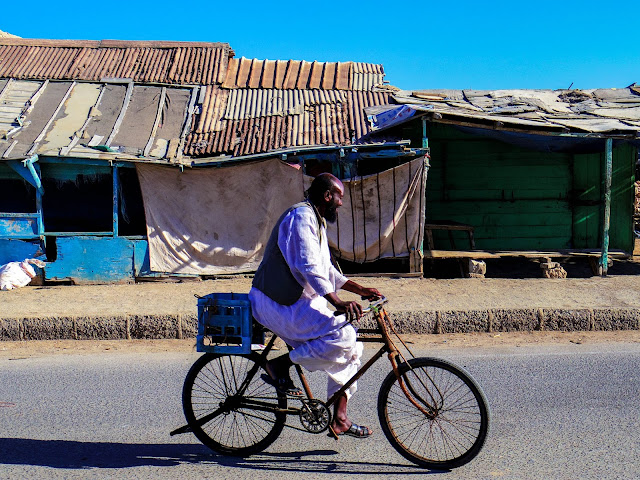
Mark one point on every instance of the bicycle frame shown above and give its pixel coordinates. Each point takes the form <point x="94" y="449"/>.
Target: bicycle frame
<point x="431" y="411"/>
<point x="388" y="347"/>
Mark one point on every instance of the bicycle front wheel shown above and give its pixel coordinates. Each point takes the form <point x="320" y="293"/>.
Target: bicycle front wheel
<point x="228" y="407"/>
<point x="445" y="423"/>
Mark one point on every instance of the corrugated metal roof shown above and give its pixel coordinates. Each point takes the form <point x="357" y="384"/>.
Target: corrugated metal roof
<point x="357" y="102"/>
<point x="71" y="118"/>
<point x="259" y="120"/>
<point x="262" y="105"/>
<point x="177" y="63"/>
<point x="601" y="111"/>
<point x="301" y="75"/>
<point x="251" y="126"/>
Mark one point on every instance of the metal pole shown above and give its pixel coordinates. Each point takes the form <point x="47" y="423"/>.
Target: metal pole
<point x="115" y="200"/>
<point x="608" y="173"/>
<point x="425" y="139"/>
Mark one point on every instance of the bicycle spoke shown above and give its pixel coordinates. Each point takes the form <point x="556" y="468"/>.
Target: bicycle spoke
<point x="455" y="425"/>
<point x="221" y="384"/>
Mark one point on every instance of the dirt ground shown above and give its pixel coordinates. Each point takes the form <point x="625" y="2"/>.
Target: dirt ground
<point x="405" y="294"/>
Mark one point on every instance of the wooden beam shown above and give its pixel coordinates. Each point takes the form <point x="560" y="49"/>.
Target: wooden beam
<point x="606" y="218"/>
<point x="123" y="111"/>
<point x="40" y="137"/>
<point x="64" y="151"/>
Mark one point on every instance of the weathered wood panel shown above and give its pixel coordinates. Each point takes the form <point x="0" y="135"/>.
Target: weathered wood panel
<point x="88" y="259"/>
<point x="19" y="225"/>
<point x="514" y="198"/>
<point x="18" y="250"/>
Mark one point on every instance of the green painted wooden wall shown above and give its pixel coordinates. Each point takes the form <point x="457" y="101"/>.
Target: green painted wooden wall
<point x="520" y="199"/>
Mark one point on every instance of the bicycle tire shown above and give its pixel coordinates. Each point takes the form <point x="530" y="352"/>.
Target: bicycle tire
<point x="212" y="384"/>
<point x="460" y="420"/>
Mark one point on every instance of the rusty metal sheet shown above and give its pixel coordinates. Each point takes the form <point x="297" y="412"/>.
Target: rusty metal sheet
<point x="597" y="111"/>
<point x="162" y="62"/>
<point x="357" y="102"/>
<point x="302" y="75"/>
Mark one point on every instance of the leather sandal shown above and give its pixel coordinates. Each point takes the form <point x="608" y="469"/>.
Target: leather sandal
<point x="354" y="430"/>
<point x="282" y="385"/>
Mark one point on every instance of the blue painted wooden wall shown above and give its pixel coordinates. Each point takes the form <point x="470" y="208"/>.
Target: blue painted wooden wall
<point x="89" y="259"/>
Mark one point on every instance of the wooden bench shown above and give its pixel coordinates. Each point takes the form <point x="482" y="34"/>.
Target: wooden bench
<point x="449" y="227"/>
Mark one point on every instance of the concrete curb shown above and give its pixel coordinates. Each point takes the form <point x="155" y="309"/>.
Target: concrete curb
<point x="176" y="326"/>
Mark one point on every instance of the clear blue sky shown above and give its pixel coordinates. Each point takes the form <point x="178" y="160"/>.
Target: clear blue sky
<point x="422" y="44"/>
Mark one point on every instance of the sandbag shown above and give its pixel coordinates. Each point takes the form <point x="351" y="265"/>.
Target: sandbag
<point x="18" y="274"/>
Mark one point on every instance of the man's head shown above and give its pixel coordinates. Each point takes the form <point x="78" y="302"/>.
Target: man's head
<point x="326" y="194"/>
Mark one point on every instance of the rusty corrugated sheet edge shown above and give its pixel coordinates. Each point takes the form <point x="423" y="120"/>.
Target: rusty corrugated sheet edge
<point x="159" y="62"/>
<point x="45" y="42"/>
<point x="302" y="75"/>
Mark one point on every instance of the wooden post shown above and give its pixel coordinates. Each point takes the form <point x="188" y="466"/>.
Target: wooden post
<point x="606" y="220"/>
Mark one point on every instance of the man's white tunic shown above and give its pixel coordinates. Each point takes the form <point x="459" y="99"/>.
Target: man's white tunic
<point x="308" y="325"/>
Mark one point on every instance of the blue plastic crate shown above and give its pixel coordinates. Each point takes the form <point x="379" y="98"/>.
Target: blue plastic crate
<point x="224" y="323"/>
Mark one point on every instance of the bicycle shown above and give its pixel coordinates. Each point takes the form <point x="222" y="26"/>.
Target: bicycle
<point x="431" y="411"/>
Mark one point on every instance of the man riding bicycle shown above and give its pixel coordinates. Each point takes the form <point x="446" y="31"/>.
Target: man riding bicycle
<point x="291" y="292"/>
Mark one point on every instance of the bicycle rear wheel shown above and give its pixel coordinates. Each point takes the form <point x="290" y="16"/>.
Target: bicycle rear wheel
<point x="452" y="426"/>
<point x="232" y="426"/>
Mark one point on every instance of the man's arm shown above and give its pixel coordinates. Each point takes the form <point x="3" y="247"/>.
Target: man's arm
<point x="364" y="292"/>
<point x="352" y="308"/>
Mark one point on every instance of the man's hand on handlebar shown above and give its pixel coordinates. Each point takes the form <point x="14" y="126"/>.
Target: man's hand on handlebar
<point x="370" y="294"/>
<point x="352" y="309"/>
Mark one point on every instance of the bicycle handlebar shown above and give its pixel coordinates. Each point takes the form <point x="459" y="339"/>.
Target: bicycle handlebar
<point x="380" y="301"/>
<point x="376" y="303"/>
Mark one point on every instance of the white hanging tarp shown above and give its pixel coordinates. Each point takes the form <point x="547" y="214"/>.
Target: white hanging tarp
<point x="210" y="221"/>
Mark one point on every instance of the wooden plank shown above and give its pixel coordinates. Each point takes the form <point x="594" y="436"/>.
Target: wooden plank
<point x="17" y="225"/>
<point x="484" y="254"/>
<point x="123" y="111"/>
<point x="187" y="124"/>
<point x="416" y="264"/>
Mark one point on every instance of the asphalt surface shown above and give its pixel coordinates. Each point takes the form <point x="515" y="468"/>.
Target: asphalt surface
<point x="562" y="411"/>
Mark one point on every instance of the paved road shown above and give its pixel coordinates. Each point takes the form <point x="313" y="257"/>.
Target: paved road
<point x="559" y="412"/>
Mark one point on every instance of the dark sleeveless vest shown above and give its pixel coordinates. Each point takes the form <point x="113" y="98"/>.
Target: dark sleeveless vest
<point x="274" y="277"/>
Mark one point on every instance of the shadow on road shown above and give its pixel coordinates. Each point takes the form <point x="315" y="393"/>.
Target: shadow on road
<point x="67" y="454"/>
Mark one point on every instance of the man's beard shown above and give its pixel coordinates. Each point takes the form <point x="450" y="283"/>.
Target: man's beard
<point x="331" y="214"/>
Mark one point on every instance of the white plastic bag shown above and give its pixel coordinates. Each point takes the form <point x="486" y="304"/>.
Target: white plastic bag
<point x="18" y="274"/>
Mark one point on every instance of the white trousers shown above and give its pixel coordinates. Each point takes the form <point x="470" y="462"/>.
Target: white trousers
<point x="320" y="340"/>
